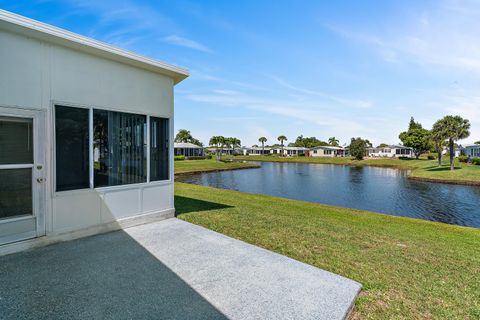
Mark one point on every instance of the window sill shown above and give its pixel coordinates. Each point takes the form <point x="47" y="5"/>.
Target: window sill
<point x="133" y="186"/>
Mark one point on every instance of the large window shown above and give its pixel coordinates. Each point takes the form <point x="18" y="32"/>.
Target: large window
<point x="159" y="133"/>
<point x="115" y="154"/>
<point x="119" y="148"/>
<point x="72" y="148"/>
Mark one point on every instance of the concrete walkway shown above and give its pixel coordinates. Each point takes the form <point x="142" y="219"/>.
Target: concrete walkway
<point x="167" y="270"/>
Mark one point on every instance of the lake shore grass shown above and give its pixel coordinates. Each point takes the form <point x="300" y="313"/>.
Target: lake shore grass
<point x="209" y="165"/>
<point x="422" y="169"/>
<point x="409" y="268"/>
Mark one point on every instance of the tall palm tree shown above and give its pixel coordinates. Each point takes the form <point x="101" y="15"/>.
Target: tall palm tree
<point x="214" y="142"/>
<point x="453" y="128"/>
<point x="262" y="140"/>
<point x="282" y="139"/>
<point x="438" y="138"/>
<point x="333" y="141"/>
<point x="233" y="143"/>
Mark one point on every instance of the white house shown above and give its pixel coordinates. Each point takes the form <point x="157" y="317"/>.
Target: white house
<point x="392" y="151"/>
<point x="188" y="149"/>
<point x="290" y="151"/>
<point x="327" y="151"/>
<point x="256" y="151"/>
<point x="85" y="135"/>
<point x="471" y="150"/>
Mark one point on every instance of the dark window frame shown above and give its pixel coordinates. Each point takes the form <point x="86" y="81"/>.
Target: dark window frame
<point x="148" y="164"/>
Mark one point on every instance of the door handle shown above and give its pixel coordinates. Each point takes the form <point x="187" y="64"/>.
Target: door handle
<point x="40" y="180"/>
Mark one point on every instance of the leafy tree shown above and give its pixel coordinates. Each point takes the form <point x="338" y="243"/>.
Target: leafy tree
<point x="219" y="143"/>
<point x="262" y="140"/>
<point x="233" y="143"/>
<point x="333" y="141"/>
<point x="308" y="142"/>
<point x="414" y="125"/>
<point x="183" y="136"/>
<point x="416" y="138"/>
<point x="358" y="148"/>
<point x="382" y="145"/>
<point x="453" y="128"/>
<point x="282" y="139"/>
<point x="438" y="138"/>
<point x="477" y="142"/>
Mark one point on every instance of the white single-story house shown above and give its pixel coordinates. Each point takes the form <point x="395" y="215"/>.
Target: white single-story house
<point x="327" y="151"/>
<point x="86" y="135"/>
<point x="392" y="151"/>
<point x="255" y="151"/>
<point x="471" y="150"/>
<point x="290" y="151"/>
<point x="188" y="149"/>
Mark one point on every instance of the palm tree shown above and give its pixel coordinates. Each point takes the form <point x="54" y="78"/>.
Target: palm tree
<point x="333" y="141"/>
<point x="234" y="142"/>
<point x="262" y="140"/>
<point x="214" y="143"/>
<point x="452" y="128"/>
<point x="183" y="136"/>
<point x="438" y="138"/>
<point x="282" y="139"/>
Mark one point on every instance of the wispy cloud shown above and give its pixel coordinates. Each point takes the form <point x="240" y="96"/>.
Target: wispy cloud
<point x="443" y="36"/>
<point x="357" y="103"/>
<point x="188" y="43"/>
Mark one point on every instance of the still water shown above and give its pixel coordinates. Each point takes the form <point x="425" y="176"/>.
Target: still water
<point x="374" y="189"/>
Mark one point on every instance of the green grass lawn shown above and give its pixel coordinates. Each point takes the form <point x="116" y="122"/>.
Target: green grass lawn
<point x="420" y="169"/>
<point x="192" y="166"/>
<point x="409" y="268"/>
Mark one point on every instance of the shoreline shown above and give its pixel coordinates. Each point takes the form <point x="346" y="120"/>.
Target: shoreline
<point x="382" y="165"/>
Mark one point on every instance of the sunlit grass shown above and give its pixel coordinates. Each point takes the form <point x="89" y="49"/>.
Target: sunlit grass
<point x="409" y="268"/>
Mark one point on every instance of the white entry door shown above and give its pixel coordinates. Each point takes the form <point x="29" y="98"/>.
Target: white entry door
<point x="22" y="174"/>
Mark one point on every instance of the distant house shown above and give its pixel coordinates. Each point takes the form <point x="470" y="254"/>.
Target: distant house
<point x="392" y="151"/>
<point x="471" y="150"/>
<point x="327" y="151"/>
<point x="290" y="151"/>
<point x="255" y="151"/>
<point x="188" y="149"/>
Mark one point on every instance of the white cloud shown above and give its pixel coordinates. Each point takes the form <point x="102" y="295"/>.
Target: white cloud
<point x="188" y="43"/>
<point x="443" y="36"/>
<point x="356" y="103"/>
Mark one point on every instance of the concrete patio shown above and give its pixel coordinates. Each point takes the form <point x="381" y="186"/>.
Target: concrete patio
<point x="167" y="270"/>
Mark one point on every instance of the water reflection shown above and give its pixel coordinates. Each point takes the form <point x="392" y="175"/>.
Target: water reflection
<point x="375" y="189"/>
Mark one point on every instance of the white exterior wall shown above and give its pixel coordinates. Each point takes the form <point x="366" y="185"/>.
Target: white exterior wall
<point x="321" y="153"/>
<point x="36" y="75"/>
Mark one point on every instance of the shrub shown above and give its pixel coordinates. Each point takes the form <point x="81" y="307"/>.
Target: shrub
<point x="179" y="158"/>
<point x="198" y="158"/>
<point x="431" y="157"/>
<point x="463" y="158"/>
<point x="476" y="161"/>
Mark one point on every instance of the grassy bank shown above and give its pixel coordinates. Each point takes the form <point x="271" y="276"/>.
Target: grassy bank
<point x="420" y="169"/>
<point x="192" y="166"/>
<point x="410" y="269"/>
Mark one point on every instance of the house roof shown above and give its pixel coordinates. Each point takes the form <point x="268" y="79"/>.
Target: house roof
<point x="392" y="146"/>
<point x="471" y="146"/>
<point x="328" y="147"/>
<point x="38" y="30"/>
<point x="186" y="145"/>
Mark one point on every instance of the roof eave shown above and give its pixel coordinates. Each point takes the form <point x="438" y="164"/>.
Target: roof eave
<point x="42" y="31"/>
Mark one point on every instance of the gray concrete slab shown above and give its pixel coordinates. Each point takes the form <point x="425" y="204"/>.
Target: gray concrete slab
<point x="167" y="270"/>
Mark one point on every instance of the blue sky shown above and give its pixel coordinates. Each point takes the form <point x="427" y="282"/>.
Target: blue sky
<point x="317" y="68"/>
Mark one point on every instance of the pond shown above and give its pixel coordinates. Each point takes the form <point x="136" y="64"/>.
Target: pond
<point x="368" y="188"/>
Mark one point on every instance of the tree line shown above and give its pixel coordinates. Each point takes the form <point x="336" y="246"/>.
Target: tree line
<point x="444" y="133"/>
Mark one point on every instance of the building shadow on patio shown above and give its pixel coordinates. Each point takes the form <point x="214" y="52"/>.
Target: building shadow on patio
<point x="108" y="276"/>
<point x="186" y="205"/>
